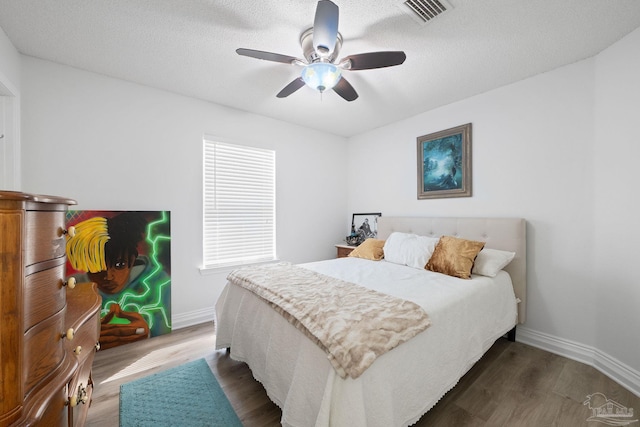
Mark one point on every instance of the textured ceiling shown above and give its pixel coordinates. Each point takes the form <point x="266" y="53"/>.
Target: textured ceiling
<point x="188" y="47"/>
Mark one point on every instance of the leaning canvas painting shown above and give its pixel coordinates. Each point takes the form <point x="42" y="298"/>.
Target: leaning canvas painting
<point x="128" y="255"/>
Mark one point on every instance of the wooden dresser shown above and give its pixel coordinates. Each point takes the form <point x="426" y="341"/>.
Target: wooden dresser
<point x="49" y="328"/>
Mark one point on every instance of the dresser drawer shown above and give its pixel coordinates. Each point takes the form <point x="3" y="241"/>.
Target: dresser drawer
<point x="44" y="295"/>
<point x="55" y="409"/>
<point x="86" y="336"/>
<point x="78" y="414"/>
<point x="80" y="392"/>
<point x="45" y="239"/>
<point x="43" y="350"/>
<point x="47" y="406"/>
<point x="83" y="308"/>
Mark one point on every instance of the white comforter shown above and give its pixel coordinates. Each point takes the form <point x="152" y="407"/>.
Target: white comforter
<point x="467" y="316"/>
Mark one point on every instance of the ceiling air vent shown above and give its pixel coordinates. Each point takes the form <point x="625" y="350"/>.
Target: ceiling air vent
<point x="424" y="11"/>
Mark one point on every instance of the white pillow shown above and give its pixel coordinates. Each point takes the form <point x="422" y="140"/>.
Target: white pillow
<point x="409" y="249"/>
<point x="490" y="261"/>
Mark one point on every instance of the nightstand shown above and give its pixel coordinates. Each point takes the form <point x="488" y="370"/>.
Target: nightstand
<point x="344" y="250"/>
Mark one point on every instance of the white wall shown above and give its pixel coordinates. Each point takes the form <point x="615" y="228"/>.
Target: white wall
<point x="9" y="63"/>
<point x="532" y="148"/>
<point x="10" y="111"/>
<point x="536" y="155"/>
<point x="115" y="145"/>
<point x="617" y="231"/>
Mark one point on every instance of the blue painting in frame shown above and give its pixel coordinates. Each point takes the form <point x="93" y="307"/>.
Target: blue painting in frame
<point x="444" y="163"/>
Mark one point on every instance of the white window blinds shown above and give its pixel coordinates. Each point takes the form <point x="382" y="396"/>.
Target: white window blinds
<point x="239" y="204"/>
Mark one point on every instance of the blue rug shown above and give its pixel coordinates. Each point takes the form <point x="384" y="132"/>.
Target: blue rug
<point x="187" y="395"/>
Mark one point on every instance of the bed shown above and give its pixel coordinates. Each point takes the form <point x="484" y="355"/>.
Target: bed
<point x="466" y="318"/>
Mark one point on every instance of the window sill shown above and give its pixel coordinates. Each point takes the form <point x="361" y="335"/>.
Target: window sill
<point x="205" y="271"/>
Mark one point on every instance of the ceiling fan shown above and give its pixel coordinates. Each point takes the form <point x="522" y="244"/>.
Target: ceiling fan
<point x="320" y="46"/>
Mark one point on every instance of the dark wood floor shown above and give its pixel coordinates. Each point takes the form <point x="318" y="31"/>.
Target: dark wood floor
<point x="512" y="385"/>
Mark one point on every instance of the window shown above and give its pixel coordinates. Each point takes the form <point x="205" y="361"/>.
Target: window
<point x="239" y="204"/>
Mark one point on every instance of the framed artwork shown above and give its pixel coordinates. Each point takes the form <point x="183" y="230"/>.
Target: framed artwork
<point x="444" y="163"/>
<point x="127" y="254"/>
<point x="365" y="225"/>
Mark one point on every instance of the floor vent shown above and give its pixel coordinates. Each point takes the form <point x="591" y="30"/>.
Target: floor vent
<point x="424" y="11"/>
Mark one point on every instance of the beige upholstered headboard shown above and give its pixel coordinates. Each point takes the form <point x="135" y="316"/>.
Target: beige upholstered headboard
<point x="508" y="234"/>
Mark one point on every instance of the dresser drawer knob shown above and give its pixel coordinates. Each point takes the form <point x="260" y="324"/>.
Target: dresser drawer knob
<point x="71" y="231"/>
<point x="78" y="350"/>
<point x="71" y="283"/>
<point x="69" y="334"/>
<point x="80" y="397"/>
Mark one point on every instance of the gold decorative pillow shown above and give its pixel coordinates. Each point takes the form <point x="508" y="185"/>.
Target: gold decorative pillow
<point x="454" y="256"/>
<point x="369" y="249"/>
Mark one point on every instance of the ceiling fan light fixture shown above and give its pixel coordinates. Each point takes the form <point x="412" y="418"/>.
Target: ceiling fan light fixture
<point x="321" y="76"/>
<point x="320" y="46"/>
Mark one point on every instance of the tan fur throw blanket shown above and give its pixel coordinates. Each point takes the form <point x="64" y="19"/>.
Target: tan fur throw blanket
<point x="353" y="324"/>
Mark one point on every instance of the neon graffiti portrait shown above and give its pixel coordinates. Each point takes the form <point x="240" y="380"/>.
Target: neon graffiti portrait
<point x="127" y="254"/>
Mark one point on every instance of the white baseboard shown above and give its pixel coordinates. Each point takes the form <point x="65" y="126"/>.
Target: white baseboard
<point x="191" y="318"/>
<point x="611" y="367"/>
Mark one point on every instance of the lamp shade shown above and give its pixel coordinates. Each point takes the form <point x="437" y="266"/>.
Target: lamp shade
<point x="321" y="75"/>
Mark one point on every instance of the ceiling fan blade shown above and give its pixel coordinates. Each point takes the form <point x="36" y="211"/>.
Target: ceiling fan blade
<point x="291" y="87"/>
<point x="367" y="61"/>
<point x="267" y="56"/>
<point x="325" y="28"/>
<point x="345" y="90"/>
